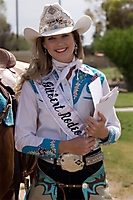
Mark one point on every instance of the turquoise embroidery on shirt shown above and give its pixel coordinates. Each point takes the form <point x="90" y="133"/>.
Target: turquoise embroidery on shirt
<point x="111" y="138"/>
<point x="33" y="86"/>
<point x="40" y="100"/>
<point x="57" y="77"/>
<point x="87" y="97"/>
<point x="79" y="82"/>
<point x="47" y="149"/>
<point x="82" y="78"/>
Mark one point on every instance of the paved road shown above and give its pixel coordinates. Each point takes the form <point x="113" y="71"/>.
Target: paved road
<point x="130" y="109"/>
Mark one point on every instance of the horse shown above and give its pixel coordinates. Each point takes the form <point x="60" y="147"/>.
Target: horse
<point x="14" y="166"/>
<point x="6" y="142"/>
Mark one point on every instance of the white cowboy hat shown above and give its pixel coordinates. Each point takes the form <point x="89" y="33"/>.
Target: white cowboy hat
<point x="54" y="21"/>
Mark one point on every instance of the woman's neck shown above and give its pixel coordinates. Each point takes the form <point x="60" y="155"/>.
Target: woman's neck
<point x="61" y="65"/>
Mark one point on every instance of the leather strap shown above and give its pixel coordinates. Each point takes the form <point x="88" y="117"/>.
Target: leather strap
<point x="69" y="185"/>
<point x="62" y="186"/>
<point x="94" y="158"/>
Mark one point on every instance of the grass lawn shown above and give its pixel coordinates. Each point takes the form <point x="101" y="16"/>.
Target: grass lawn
<point x="125" y="99"/>
<point x="111" y="72"/>
<point x="119" y="156"/>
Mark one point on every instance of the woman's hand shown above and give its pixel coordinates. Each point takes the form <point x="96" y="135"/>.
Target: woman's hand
<point x="80" y="145"/>
<point x="84" y="144"/>
<point x="96" y="128"/>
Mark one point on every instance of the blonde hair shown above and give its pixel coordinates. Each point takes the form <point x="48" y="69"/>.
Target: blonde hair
<point x="41" y="61"/>
<point x="80" y="52"/>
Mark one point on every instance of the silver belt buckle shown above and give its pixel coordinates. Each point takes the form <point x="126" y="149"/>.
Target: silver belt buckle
<point x="71" y="162"/>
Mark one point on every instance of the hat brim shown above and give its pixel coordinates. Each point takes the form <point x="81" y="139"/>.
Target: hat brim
<point x="82" y="25"/>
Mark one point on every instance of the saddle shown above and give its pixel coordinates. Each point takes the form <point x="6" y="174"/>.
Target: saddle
<point x="24" y="164"/>
<point x="7" y="59"/>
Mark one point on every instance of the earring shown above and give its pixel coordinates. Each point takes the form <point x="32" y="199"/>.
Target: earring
<point x="45" y="51"/>
<point x="76" y="49"/>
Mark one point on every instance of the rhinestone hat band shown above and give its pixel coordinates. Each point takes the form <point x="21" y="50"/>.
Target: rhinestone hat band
<point x="53" y="18"/>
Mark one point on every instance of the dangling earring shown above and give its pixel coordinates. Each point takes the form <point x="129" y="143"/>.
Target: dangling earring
<point x="45" y="51"/>
<point x="76" y="49"/>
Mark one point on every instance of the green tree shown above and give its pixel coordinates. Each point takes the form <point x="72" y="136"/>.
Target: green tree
<point x="8" y="39"/>
<point x="108" y="14"/>
<point x="19" y="43"/>
<point x="4" y="27"/>
<point x="97" y="14"/>
<point x="117" y="44"/>
<point x="119" y="13"/>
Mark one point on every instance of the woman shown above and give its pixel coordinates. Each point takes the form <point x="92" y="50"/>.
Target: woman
<point x="55" y="113"/>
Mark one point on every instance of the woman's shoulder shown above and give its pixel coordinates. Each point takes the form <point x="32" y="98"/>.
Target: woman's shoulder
<point x="91" y="70"/>
<point x="28" y="84"/>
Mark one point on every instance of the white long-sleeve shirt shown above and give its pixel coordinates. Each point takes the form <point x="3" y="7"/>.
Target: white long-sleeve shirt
<point x="38" y="133"/>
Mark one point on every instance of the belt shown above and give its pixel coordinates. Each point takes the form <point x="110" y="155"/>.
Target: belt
<point x="89" y="160"/>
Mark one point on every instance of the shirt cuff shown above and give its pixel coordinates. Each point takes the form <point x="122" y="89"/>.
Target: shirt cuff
<point x="47" y="149"/>
<point x="111" y="137"/>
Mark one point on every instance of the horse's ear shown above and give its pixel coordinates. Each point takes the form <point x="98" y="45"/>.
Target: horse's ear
<point x="7" y="59"/>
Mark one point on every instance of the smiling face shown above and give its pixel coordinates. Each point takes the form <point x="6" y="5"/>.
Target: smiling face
<point x="60" y="47"/>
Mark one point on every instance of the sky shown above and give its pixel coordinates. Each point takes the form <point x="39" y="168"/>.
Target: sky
<point x="29" y="12"/>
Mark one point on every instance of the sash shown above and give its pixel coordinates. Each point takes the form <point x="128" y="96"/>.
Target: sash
<point x="60" y="109"/>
